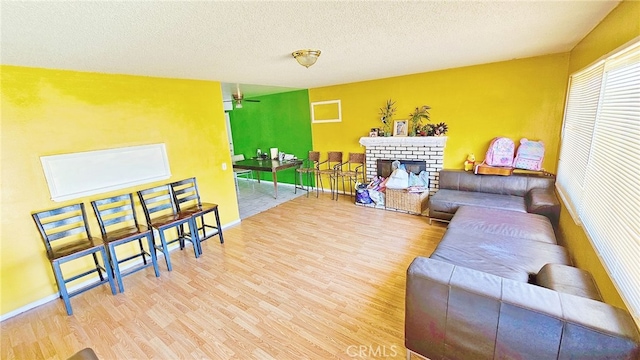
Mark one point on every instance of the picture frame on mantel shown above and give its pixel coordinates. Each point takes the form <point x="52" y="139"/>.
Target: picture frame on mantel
<point x="401" y="128"/>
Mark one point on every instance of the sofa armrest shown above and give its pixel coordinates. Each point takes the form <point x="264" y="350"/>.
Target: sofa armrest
<point x="456" y="312"/>
<point x="543" y="202"/>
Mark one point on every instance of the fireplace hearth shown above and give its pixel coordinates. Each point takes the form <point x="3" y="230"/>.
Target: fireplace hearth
<point x="426" y="149"/>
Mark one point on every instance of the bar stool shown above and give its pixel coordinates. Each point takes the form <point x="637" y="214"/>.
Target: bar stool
<point x="162" y="214"/>
<point x="66" y="237"/>
<point x="334" y="159"/>
<point x="309" y="166"/>
<point x="351" y="169"/>
<point x="118" y="215"/>
<point x="187" y="199"/>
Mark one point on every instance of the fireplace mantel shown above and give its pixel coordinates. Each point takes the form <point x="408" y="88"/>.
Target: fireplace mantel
<point x="439" y="141"/>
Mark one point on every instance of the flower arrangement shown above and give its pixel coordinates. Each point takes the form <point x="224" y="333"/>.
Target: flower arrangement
<point x="386" y="116"/>
<point x="416" y="118"/>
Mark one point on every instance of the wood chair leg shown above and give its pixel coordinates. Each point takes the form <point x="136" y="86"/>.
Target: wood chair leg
<point x="97" y="265"/>
<point x="152" y="253"/>
<point x="142" y="253"/>
<point x="108" y="270"/>
<point x="217" y="215"/>
<point x="165" y="249"/>
<point x="62" y="287"/>
<point x="116" y="266"/>
<point x="195" y="238"/>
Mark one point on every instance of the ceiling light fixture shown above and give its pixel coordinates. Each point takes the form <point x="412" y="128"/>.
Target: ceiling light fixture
<point x="306" y="58"/>
<point x="238" y="104"/>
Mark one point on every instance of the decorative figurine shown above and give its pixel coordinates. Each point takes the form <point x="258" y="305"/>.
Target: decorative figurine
<point x="470" y="162"/>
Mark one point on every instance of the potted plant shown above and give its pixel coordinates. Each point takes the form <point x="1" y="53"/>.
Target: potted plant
<point x="415" y="118"/>
<point x="386" y="116"/>
<point x="439" y="129"/>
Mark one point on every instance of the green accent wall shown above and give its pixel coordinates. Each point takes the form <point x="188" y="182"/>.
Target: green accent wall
<point x="279" y="120"/>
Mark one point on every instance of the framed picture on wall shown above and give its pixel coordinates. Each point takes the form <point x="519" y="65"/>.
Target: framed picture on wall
<point x="401" y="128"/>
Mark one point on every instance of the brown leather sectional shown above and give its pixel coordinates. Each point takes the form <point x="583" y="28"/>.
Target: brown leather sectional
<point x="527" y="193"/>
<point x="498" y="286"/>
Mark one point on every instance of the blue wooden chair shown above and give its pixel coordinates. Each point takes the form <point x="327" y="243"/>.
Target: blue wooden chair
<point x="66" y="237"/>
<point x="119" y="225"/>
<point x="162" y="214"/>
<point x="187" y="199"/>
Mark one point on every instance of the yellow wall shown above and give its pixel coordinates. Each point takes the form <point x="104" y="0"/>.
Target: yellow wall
<point x="619" y="27"/>
<point x="516" y="99"/>
<point x="48" y="112"/>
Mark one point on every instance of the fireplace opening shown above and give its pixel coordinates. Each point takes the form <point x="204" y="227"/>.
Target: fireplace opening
<point x="415" y="166"/>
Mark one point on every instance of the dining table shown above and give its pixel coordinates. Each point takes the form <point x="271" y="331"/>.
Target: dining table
<point x="262" y="164"/>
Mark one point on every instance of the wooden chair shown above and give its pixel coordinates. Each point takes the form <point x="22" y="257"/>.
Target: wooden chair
<point x="309" y="167"/>
<point x="162" y="214"/>
<point x="351" y="169"/>
<point x="187" y="199"/>
<point x="119" y="225"/>
<point x="329" y="167"/>
<point x="66" y="238"/>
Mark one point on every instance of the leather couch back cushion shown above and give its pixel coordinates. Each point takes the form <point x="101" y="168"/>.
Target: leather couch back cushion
<point x="447" y="200"/>
<point x="517" y="184"/>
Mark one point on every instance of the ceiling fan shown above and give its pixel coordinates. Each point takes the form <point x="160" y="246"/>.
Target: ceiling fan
<point x="238" y="98"/>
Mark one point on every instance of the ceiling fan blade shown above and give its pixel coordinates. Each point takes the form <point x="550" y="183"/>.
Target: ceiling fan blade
<point x="250" y="100"/>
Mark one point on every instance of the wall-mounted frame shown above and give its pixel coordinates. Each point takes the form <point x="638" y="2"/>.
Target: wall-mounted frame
<point x="326" y="111"/>
<point x="76" y="175"/>
<point x="401" y="128"/>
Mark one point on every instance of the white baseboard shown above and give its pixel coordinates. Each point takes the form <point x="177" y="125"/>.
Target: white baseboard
<point x="56" y="296"/>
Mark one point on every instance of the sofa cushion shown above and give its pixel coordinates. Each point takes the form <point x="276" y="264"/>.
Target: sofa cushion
<point x="516" y="184"/>
<point x="544" y="202"/>
<point x="568" y="279"/>
<point x="504" y="223"/>
<point x="448" y="201"/>
<point x="504" y="256"/>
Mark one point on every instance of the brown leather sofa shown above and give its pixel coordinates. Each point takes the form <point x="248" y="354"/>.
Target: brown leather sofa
<point x="528" y="193"/>
<point x="499" y="287"/>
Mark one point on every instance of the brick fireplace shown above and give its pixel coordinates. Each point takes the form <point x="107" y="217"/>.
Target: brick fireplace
<point x="429" y="149"/>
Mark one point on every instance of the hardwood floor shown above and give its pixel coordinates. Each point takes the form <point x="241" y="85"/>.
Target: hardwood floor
<point x="308" y="279"/>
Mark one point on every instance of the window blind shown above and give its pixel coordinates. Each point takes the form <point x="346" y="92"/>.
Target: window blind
<point x="599" y="166"/>
<point x="580" y="116"/>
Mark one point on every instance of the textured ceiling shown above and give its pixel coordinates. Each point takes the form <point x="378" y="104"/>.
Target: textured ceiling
<point x="250" y="42"/>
